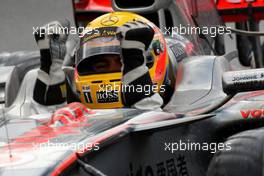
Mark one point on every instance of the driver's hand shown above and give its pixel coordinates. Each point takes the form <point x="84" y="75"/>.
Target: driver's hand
<point x="51" y="40"/>
<point x="50" y="84"/>
<point x="135" y="34"/>
<point x="135" y="38"/>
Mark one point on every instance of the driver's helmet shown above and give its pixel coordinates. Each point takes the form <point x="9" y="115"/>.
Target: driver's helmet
<point x="98" y="64"/>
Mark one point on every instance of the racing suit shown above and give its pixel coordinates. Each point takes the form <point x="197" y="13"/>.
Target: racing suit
<point x="135" y="38"/>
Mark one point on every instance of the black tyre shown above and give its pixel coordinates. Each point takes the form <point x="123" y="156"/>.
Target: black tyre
<point x="245" y="157"/>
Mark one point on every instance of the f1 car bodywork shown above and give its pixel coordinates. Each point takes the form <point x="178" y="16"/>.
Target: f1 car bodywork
<point x="121" y="141"/>
<point x="72" y="140"/>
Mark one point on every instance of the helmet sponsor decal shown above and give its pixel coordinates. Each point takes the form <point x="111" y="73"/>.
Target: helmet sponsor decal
<point x="107" y="96"/>
<point x="88" y="97"/>
<point x="87" y="93"/>
<point x="109" y="20"/>
<point x="100" y="32"/>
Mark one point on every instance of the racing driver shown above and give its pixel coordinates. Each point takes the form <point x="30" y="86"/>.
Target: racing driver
<point x="119" y="55"/>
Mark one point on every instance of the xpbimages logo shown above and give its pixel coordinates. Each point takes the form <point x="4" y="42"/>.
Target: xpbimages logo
<point x="213" y="147"/>
<point x="213" y="31"/>
<point x="80" y="147"/>
<point x="146" y="89"/>
<point x="50" y="29"/>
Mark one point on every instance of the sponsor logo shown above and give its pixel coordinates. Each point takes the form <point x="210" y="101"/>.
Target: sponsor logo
<point x="108" y="32"/>
<point x="242" y="78"/>
<point x="107" y="96"/>
<point x="87" y="93"/>
<point x="88" y="97"/>
<point x="253" y="76"/>
<point x="86" y="88"/>
<point x="252" y="113"/>
<point x="176" y="166"/>
<point x="109" y="20"/>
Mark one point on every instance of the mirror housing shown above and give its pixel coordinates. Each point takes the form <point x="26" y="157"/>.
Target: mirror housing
<point x="243" y="81"/>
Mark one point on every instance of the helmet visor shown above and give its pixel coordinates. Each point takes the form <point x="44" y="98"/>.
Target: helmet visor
<point x="103" y="42"/>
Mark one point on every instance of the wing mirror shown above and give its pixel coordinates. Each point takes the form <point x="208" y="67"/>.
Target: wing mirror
<point x="243" y="81"/>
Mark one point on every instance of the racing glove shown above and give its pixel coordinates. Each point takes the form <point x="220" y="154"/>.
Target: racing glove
<point x="50" y="86"/>
<point x="135" y="38"/>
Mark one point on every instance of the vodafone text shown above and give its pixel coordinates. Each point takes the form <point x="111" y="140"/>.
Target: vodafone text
<point x="252" y="113"/>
